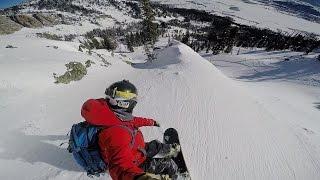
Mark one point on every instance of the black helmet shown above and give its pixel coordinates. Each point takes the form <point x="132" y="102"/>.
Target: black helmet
<point x="122" y="95"/>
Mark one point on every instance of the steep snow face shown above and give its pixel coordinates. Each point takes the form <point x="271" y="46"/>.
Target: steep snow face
<point x="251" y="13"/>
<point x="226" y="134"/>
<point x="286" y="83"/>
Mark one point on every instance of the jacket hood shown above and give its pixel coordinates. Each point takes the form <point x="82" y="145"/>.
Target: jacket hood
<point x="98" y="112"/>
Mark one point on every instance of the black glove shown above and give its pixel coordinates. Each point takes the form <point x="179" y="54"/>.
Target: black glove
<point x="173" y="151"/>
<point x="149" y="176"/>
<point x="156" y="124"/>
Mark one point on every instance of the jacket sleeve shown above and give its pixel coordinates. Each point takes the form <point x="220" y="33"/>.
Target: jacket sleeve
<point x="121" y="159"/>
<point x="98" y="113"/>
<point x="140" y="122"/>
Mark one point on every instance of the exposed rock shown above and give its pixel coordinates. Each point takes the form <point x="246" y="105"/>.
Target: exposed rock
<point x="7" y="26"/>
<point x="45" y="20"/>
<point x="42" y="19"/>
<point x="50" y="36"/>
<point x="10" y="24"/>
<point x="10" y="47"/>
<point x="27" y="21"/>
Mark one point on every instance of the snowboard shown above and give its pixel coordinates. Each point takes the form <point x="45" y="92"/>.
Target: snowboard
<point x="171" y="136"/>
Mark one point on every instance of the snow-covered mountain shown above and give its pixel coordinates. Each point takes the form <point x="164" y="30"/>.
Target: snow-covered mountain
<point x="247" y="114"/>
<point x="275" y="15"/>
<point x="279" y="15"/>
<point x="75" y="5"/>
<point x="96" y="14"/>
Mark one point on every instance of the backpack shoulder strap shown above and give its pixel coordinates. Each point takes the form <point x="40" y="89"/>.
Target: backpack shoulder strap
<point x="133" y="133"/>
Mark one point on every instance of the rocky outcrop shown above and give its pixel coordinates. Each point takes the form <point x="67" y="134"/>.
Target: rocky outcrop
<point x="27" y="21"/>
<point x="10" y="24"/>
<point x="7" y="26"/>
<point x="45" y="20"/>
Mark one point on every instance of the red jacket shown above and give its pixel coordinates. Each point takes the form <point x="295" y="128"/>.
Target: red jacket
<point x="115" y="141"/>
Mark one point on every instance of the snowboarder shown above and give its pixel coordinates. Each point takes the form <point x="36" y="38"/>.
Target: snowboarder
<point x="121" y="142"/>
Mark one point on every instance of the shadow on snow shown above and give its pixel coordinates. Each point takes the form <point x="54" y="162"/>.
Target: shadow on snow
<point x="164" y="58"/>
<point x="148" y="65"/>
<point x="160" y="63"/>
<point x="264" y="52"/>
<point x="317" y="105"/>
<point x="34" y="148"/>
<point x="296" y="68"/>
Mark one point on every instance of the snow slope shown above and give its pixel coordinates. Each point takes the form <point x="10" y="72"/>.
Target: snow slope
<point x="226" y="133"/>
<point x="289" y="90"/>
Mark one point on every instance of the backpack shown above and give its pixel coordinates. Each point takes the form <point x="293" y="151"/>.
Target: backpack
<point x="83" y="144"/>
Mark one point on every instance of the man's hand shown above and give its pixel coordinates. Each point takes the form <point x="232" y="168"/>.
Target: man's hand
<point x="156" y="124"/>
<point x="174" y="151"/>
<point x="149" y="176"/>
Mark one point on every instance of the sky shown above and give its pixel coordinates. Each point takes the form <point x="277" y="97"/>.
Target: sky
<point x="9" y="3"/>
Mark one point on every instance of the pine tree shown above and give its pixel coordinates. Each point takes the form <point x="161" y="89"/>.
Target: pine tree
<point x="185" y="39"/>
<point x="96" y="43"/>
<point x="150" y="30"/>
<point x="129" y="43"/>
<point x="108" y="44"/>
<point x="132" y="39"/>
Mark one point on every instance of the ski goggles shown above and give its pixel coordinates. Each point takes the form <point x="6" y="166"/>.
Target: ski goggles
<point x="125" y="95"/>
